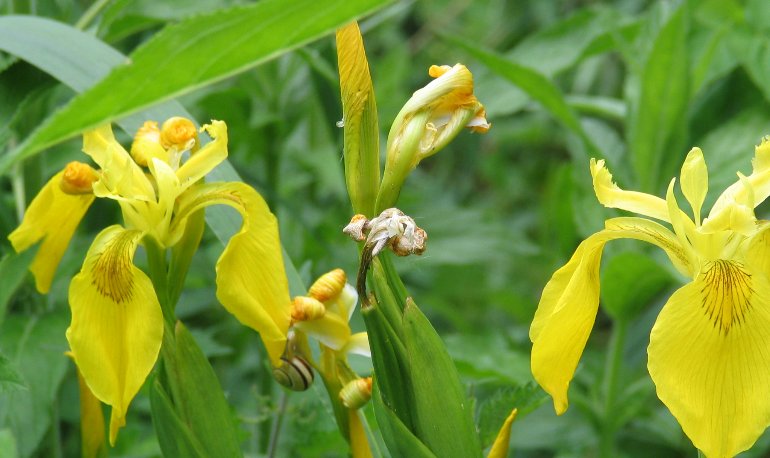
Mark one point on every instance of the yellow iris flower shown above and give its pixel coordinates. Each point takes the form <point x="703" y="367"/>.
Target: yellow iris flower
<point x="117" y="322"/>
<point x="708" y="352"/>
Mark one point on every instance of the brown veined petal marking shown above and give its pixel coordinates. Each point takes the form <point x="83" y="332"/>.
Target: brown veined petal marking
<point x="727" y="294"/>
<point x="111" y="270"/>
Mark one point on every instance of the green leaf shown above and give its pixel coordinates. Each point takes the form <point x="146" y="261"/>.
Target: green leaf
<point x="13" y="270"/>
<point x="36" y="346"/>
<point x="535" y="84"/>
<point x="441" y="413"/>
<point x="398" y="438"/>
<point x="174" y="436"/>
<point x="197" y="397"/>
<point x="7" y="444"/>
<point x="629" y="283"/>
<point x="493" y="412"/>
<point x="193" y="53"/>
<point x="10" y="380"/>
<point x="658" y="124"/>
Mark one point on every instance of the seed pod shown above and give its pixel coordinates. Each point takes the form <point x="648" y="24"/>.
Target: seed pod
<point x="329" y="285"/>
<point x="295" y="373"/>
<point x="307" y="308"/>
<point x="356" y="393"/>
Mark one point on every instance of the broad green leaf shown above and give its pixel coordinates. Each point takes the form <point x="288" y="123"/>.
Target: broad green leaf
<point x="174" y="436"/>
<point x="10" y="380"/>
<point x="442" y="414"/>
<point x="658" y="124"/>
<point x="526" y="398"/>
<point x="629" y="283"/>
<point x="399" y="440"/>
<point x="193" y="53"/>
<point x="197" y="397"/>
<point x="13" y="270"/>
<point x="36" y="346"/>
<point x="536" y="85"/>
<point x="7" y="444"/>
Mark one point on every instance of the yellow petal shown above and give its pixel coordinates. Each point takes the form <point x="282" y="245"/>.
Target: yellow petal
<point x="708" y="357"/>
<point x="91" y="422"/>
<point x="570" y="300"/>
<point x="500" y="447"/>
<point x="121" y="177"/>
<point x="358" y="345"/>
<point x="208" y="157"/>
<point x="736" y="214"/>
<point x="52" y="217"/>
<point x="611" y="196"/>
<point x="694" y="181"/>
<point x="564" y="318"/>
<point x="331" y="330"/>
<point x="651" y="232"/>
<point x="359" y="445"/>
<point x="117" y="324"/>
<point x="759" y="181"/>
<point x="251" y="280"/>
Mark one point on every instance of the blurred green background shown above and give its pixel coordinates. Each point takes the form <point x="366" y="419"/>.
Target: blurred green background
<point x="637" y="83"/>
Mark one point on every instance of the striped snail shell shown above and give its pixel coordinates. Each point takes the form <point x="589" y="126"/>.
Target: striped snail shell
<point x="329" y="285"/>
<point x="294" y="373"/>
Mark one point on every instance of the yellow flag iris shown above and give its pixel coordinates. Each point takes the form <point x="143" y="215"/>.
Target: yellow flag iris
<point x="117" y="322"/>
<point x="708" y="352"/>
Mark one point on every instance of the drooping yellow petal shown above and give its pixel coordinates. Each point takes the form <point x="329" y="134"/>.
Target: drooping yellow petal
<point x="117" y="324"/>
<point x="694" y="180"/>
<point x="121" y="177"/>
<point x="709" y="355"/>
<point x="611" y="196"/>
<point x="208" y="157"/>
<point x="502" y="441"/>
<point x="570" y="300"/>
<point x="251" y="280"/>
<point x="564" y="318"/>
<point x="52" y="217"/>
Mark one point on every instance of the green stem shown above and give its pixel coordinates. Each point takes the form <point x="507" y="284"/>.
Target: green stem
<point x="277" y="425"/>
<point x="156" y="260"/>
<point x="90" y="14"/>
<point x="610" y="385"/>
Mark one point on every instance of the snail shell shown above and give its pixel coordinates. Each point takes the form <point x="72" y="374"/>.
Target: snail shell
<point x="294" y="373"/>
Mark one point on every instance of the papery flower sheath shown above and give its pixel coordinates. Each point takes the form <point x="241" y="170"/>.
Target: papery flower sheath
<point x="117" y="322"/>
<point x="709" y="351"/>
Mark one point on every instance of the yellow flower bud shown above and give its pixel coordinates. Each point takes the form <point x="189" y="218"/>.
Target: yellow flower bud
<point x="179" y="132"/>
<point x="356" y="393"/>
<point x="307" y="308"/>
<point x="78" y="178"/>
<point x="329" y="285"/>
<point x="147" y="146"/>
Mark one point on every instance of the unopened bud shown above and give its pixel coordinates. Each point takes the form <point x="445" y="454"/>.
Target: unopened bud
<point x="179" y="132"/>
<point x="306" y="308"/>
<point x="78" y="178"/>
<point x="146" y="144"/>
<point x="328" y="286"/>
<point x="356" y="393"/>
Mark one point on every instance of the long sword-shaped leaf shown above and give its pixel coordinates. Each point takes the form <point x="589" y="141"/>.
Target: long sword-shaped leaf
<point x="188" y="55"/>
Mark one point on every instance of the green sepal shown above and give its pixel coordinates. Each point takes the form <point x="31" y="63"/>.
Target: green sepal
<point x="196" y="395"/>
<point x="174" y="436"/>
<point x="182" y="254"/>
<point x="397" y="437"/>
<point x="441" y="412"/>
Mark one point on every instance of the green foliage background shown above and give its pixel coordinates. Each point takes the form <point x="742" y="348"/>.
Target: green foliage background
<point x="635" y="82"/>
